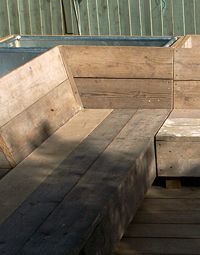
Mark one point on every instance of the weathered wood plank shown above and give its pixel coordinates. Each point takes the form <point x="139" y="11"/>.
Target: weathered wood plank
<point x="102" y="9"/>
<point x="54" y="189"/>
<point x="125" y="93"/>
<point x="124" y="17"/>
<point x="178" y="17"/>
<point x="35" y="17"/>
<point x="4" y="20"/>
<point x="186" y="64"/>
<point x="56" y="17"/>
<point x="184" y="192"/>
<point x="46" y="24"/>
<point x="13" y="17"/>
<point x="171" y="217"/>
<point x="25" y="85"/>
<point x="178" y="144"/>
<point x="119" y="62"/>
<point x="182" y="125"/>
<point x="24" y="15"/>
<point x="156" y="12"/>
<point x="114" y="17"/>
<point x="172" y="204"/>
<point x="166" y="246"/>
<point x="186" y="94"/>
<point x="30" y="173"/>
<point x="184" y="158"/>
<point x="163" y="231"/>
<point x="29" y="129"/>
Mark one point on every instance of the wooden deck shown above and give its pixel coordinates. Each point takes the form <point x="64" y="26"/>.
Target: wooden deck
<point x="168" y="222"/>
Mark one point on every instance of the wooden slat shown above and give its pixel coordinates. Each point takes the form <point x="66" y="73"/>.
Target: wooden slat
<point x="56" y="17"/>
<point x="125" y="93"/>
<point x="30" y="173"/>
<point x="189" y="17"/>
<point x="167" y="15"/>
<point x="173" y="204"/>
<point x="146" y="17"/>
<point x="92" y="7"/>
<point x="163" y="231"/>
<point x="165" y="246"/>
<point x="46" y="24"/>
<point x="186" y="64"/>
<point x="184" y="192"/>
<point x="4" y="19"/>
<point x="24" y="15"/>
<point x="25" y="85"/>
<point x="35" y="17"/>
<point x="102" y="10"/>
<point x="44" y="200"/>
<point x="178" y="17"/>
<point x="114" y="17"/>
<point x="156" y="9"/>
<point x="132" y="62"/>
<point x="124" y="17"/>
<point x="84" y="17"/>
<point x="135" y="17"/>
<point x="30" y="128"/>
<point x="13" y="17"/>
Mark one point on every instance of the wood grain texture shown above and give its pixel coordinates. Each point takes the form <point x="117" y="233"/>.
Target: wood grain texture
<point x="41" y="203"/>
<point x="186" y="64"/>
<point x="125" y="93"/>
<point x="186" y="94"/>
<point x="124" y="170"/>
<point x="182" y="125"/>
<point x="30" y="173"/>
<point x="178" y="159"/>
<point x="119" y="62"/>
<point x="29" y="129"/>
<point x="27" y="84"/>
<point x="178" y="144"/>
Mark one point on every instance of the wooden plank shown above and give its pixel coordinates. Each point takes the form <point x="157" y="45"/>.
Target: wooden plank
<point x="93" y="17"/>
<point x="68" y="19"/>
<point x="186" y="64"/>
<point x="46" y="24"/>
<point x="13" y="17"/>
<point x="4" y="20"/>
<point x="181" y="126"/>
<point x="197" y="18"/>
<point x="135" y="17"/>
<point x="103" y="17"/>
<point x="170" y="204"/>
<point x="56" y="17"/>
<point x="132" y="62"/>
<point x="125" y="93"/>
<point x="24" y="15"/>
<point x="146" y="17"/>
<point x="30" y="128"/>
<point x="27" y="84"/>
<point x="171" y="217"/>
<point x="35" y="18"/>
<point x="163" y="231"/>
<point x="167" y="15"/>
<point x="124" y="17"/>
<point x="114" y="17"/>
<point x="195" y="41"/>
<point x="184" y="192"/>
<point x="30" y="173"/>
<point x="178" y="17"/>
<point x="184" y="159"/>
<point x="48" y="195"/>
<point x="135" y="246"/>
<point x="186" y="94"/>
<point x="156" y="11"/>
<point x="189" y="17"/>
<point x="84" y="18"/>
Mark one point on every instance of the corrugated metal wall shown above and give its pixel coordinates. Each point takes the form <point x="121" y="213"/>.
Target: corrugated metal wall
<point x="102" y="17"/>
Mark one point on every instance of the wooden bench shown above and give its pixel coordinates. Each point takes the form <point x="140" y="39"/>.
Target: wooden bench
<point x="87" y="201"/>
<point x="76" y="191"/>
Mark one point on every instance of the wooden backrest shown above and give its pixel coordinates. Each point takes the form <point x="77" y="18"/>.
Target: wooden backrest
<point x="35" y="100"/>
<point x="122" y="77"/>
